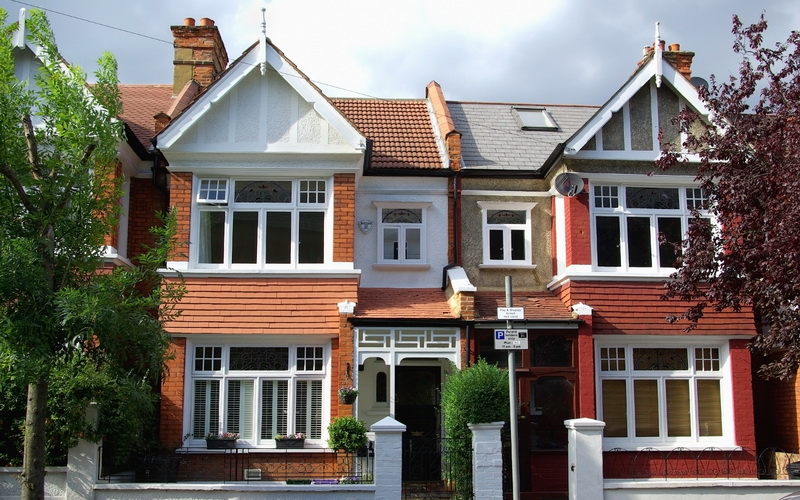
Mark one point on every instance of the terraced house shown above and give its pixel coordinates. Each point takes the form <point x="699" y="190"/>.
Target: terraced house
<point x="365" y="242"/>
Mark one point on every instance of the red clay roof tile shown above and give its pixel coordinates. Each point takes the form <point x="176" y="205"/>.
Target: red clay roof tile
<point x="401" y="131"/>
<point x="536" y="305"/>
<point x="140" y="103"/>
<point x="405" y="303"/>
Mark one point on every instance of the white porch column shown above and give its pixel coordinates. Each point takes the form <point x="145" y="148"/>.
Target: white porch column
<point x="83" y="464"/>
<point x="388" y="459"/>
<point x="487" y="461"/>
<point x="585" y="458"/>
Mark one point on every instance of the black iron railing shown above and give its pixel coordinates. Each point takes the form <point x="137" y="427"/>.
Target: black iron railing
<point x="248" y="465"/>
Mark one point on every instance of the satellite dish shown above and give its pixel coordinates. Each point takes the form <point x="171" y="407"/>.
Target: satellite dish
<point x="698" y="82"/>
<point x="568" y="184"/>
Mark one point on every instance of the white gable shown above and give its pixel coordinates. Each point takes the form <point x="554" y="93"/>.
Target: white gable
<point x="627" y="126"/>
<point x="246" y="111"/>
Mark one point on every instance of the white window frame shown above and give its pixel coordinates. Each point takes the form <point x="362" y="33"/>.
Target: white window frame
<point x="695" y="441"/>
<point x="229" y="206"/>
<point x="622" y="214"/>
<point x="292" y="376"/>
<point x="402" y="229"/>
<point x="506" y="261"/>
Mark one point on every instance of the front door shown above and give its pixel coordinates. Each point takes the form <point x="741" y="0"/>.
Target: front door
<point x="416" y="406"/>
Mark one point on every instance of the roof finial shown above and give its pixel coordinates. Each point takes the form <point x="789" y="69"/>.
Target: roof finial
<point x="263" y="42"/>
<point x="659" y="56"/>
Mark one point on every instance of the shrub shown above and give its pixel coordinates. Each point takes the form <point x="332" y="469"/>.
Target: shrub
<point x="478" y="394"/>
<point x="347" y="433"/>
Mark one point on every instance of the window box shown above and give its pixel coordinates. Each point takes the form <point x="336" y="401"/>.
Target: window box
<point x="290" y="443"/>
<point x="220" y="444"/>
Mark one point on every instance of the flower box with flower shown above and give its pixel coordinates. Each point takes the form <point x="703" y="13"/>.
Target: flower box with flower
<point x="221" y="441"/>
<point x="296" y="440"/>
<point x="348" y="394"/>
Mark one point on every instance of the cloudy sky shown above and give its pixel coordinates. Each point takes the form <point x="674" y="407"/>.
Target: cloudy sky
<point x="532" y="51"/>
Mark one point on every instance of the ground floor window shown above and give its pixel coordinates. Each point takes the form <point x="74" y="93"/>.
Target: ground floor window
<point x="665" y="394"/>
<point x="256" y="391"/>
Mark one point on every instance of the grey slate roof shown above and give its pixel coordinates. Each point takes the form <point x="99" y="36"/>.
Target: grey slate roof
<point x="493" y="140"/>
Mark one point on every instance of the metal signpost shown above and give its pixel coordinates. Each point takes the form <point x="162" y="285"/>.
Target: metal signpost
<point x="512" y="340"/>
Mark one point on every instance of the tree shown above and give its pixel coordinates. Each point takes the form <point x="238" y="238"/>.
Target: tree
<point x="749" y="168"/>
<point x="70" y="330"/>
<point x="477" y="394"/>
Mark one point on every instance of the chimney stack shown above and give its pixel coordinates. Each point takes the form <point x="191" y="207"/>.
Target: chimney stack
<point x="200" y="54"/>
<point x="681" y="60"/>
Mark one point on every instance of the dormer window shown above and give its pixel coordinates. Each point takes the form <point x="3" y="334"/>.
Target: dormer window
<point x="535" y="119"/>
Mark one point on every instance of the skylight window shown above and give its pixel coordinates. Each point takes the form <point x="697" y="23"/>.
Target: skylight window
<point x="535" y="119"/>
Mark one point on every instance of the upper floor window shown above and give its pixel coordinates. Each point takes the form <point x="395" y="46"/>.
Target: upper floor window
<point x="663" y="394"/>
<point x="401" y="232"/>
<point x="641" y="227"/>
<point x="506" y="233"/>
<point x="260" y="223"/>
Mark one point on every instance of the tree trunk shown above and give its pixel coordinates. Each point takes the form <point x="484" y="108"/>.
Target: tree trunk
<point x="33" y="460"/>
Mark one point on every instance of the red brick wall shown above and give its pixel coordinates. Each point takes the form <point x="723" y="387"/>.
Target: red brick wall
<point x="741" y="371"/>
<point x="344" y="189"/>
<point x="172" y="396"/>
<point x="579" y="238"/>
<point x="585" y="361"/>
<point x="145" y="201"/>
<point x="180" y="194"/>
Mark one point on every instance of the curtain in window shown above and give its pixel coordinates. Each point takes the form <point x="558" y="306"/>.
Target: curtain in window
<point x="206" y="408"/>
<point x="240" y="408"/>
<point x="308" y="408"/>
<point x="274" y="400"/>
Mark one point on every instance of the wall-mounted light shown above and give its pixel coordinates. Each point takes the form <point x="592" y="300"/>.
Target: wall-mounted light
<point x="365" y="225"/>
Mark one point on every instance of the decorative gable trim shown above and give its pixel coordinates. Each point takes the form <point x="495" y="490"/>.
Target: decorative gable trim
<point x="240" y="69"/>
<point x="642" y="77"/>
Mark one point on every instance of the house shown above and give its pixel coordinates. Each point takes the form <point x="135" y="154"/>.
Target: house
<point x="566" y="201"/>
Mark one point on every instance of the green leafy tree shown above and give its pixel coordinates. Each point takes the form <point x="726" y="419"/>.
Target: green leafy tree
<point x="71" y="332"/>
<point x="477" y="394"/>
<point x="749" y="168"/>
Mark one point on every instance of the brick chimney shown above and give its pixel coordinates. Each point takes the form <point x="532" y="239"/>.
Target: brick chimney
<point x="200" y="54"/>
<point x="681" y="60"/>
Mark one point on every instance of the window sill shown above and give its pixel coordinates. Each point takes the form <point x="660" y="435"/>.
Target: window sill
<point x="507" y="266"/>
<point x="401" y="266"/>
<point x="201" y="448"/>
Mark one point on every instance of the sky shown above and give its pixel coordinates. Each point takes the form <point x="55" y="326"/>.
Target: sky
<point x="521" y="51"/>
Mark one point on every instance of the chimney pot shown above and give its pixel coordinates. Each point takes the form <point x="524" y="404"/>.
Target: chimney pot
<point x="189" y="21"/>
<point x="661" y="43"/>
<point x="674" y="47"/>
<point x="206" y="22"/>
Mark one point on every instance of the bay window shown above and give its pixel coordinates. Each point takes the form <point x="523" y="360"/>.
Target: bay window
<point x="670" y="395"/>
<point x="640" y="228"/>
<point x="260" y="223"/>
<point x="257" y="391"/>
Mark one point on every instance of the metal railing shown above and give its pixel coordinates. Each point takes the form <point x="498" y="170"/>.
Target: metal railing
<point x="248" y="465"/>
<point x="680" y="463"/>
<point x="430" y="468"/>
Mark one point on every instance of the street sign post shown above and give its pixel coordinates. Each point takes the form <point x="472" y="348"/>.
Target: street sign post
<point x="511" y="339"/>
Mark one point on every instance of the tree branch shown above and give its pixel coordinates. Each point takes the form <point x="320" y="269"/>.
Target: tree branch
<point x="18" y="187"/>
<point x="33" y="149"/>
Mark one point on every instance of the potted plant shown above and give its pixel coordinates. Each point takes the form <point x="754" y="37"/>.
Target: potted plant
<point x="347" y="433"/>
<point x="348" y="394"/>
<point x="221" y="441"/>
<point x="296" y="440"/>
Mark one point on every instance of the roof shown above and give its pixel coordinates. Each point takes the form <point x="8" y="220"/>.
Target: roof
<point x="636" y="308"/>
<point x="492" y="138"/>
<point x="140" y="103"/>
<point x="537" y="306"/>
<point x="401" y="131"/>
<point x="402" y="303"/>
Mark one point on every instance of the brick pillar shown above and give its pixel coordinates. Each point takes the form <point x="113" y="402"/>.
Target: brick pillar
<point x="487" y="461"/>
<point x="388" y="459"/>
<point x="346" y="359"/>
<point x="585" y="458"/>
<point x="586" y="387"/>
